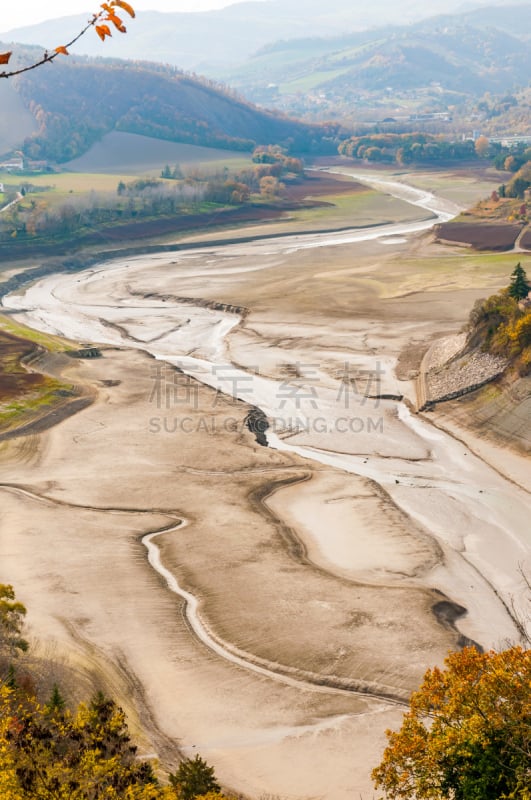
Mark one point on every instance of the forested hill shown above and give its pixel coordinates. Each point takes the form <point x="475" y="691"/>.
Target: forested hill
<point x="211" y="40"/>
<point x="77" y="101"/>
<point x="461" y="55"/>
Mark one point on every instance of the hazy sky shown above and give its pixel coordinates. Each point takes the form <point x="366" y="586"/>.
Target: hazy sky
<point x="26" y="12"/>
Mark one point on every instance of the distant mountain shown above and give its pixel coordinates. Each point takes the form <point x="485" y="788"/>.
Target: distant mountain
<point x="76" y="101"/>
<point x="209" y="40"/>
<point x="513" y="19"/>
<point x="459" y="55"/>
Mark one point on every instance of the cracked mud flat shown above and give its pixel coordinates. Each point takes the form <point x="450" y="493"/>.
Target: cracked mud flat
<point x="323" y="574"/>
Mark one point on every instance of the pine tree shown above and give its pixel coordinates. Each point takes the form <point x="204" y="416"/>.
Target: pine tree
<point x="194" y="778"/>
<point x="56" y="702"/>
<point x="519" y="287"/>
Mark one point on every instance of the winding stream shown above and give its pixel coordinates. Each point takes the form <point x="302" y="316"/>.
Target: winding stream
<point x="477" y="517"/>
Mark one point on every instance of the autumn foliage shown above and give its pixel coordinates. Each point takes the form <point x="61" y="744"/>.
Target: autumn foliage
<point x="467" y="735"/>
<point x="501" y="324"/>
<point x="12" y="614"/>
<point x="48" y="752"/>
<point x="107" y="14"/>
<point x="51" y="752"/>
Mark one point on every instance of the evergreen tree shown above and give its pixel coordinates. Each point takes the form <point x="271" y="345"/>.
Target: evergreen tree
<point x="56" y="703"/>
<point x="194" y="778"/>
<point x="519" y="287"/>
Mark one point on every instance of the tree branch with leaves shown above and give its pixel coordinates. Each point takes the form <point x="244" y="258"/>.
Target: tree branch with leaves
<point x="467" y="735"/>
<point x="107" y="14"/>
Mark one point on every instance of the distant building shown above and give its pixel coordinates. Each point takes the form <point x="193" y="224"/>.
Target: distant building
<point x="12" y="165"/>
<point x="511" y="141"/>
<point x="430" y="116"/>
<point x="37" y="166"/>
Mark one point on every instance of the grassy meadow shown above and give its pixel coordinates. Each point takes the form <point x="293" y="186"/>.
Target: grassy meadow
<point x="54" y="344"/>
<point x="130" y="154"/>
<point x="25" y="392"/>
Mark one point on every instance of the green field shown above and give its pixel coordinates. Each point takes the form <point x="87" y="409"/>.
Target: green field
<point x="311" y="81"/>
<point x="100" y="170"/>
<point x="130" y="154"/>
<point x="54" y="344"/>
<point x="66" y="182"/>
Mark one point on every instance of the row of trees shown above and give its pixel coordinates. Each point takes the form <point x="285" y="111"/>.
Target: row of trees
<point x="407" y="148"/>
<point x="39" y="218"/>
<point x="519" y="183"/>
<point x="423" y="148"/>
<point x="279" y="161"/>
<point x="145" y="199"/>
<point x="516" y="160"/>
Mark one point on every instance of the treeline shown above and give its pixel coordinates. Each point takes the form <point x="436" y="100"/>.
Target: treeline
<point x="518" y="161"/>
<point x="407" y="148"/>
<point x="279" y="161"/>
<point x="149" y="198"/>
<point x="78" y="101"/>
<point x="49" y="751"/>
<point x="424" y="148"/>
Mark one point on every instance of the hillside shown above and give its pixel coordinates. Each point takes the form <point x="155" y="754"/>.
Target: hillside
<point x="494" y="354"/>
<point x="130" y="153"/>
<point x="445" y="59"/>
<point x="79" y="100"/>
<point x="16" y="121"/>
<point x="208" y="41"/>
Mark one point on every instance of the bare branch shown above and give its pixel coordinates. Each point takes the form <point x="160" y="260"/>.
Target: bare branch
<point x="106" y="14"/>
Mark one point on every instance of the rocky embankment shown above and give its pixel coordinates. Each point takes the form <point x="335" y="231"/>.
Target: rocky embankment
<point x="448" y="372"/>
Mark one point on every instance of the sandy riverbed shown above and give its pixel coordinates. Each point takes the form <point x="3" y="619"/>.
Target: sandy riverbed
<point x="336" y="565"/>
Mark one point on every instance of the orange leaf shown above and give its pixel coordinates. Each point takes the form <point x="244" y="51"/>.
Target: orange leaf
<point x="4" y="57"/>
<point x="62" y="50"/>
<point x="103" y="31"/>
<point x="125" y="6"/>
<point x="117" y="22"/>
